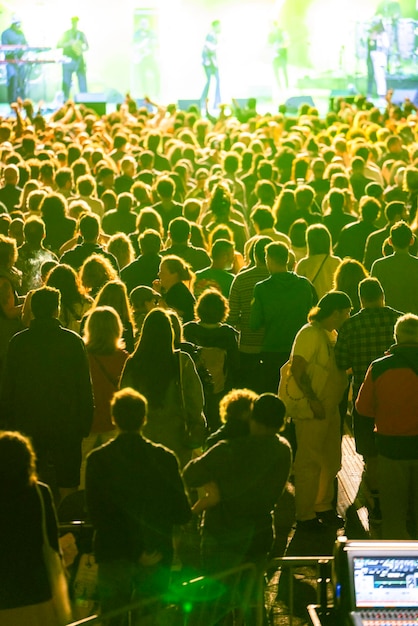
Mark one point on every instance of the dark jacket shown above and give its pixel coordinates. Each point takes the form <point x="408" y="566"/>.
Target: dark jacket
<point x="116" y="221"/>
<point x="46" y="389"/>
<point x="281" y="305"/>
<point x="352" y="240"/>
<point x="142" y="271"/>
<point x="134" y="496"/>
<point x="58" y="231"/>
<point x="76" y="256"/>
<point x="197" y="258"/>
<point x="251" y="473"/>
<point x="23" y="576"/>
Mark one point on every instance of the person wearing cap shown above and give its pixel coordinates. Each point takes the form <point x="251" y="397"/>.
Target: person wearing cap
<point x="74" y="44"/>
<point x="15" y="68"/>
<point x="318" y="456"/>
<point x="249" y="474"/>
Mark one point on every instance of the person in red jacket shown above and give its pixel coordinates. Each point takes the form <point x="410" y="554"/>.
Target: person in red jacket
<point x="389" y="395"/>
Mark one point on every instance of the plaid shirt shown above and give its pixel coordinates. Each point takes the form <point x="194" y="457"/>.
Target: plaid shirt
<point x="363" y="338"/>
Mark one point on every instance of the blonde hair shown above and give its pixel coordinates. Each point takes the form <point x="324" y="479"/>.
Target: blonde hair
<point x="237" y="404"/>
<point x="115" y="294"/>
<point x="103" y="331"/>
<point x="96" y="271"/>
<point x="17" y="462"/>
<point x="121" y="247"/>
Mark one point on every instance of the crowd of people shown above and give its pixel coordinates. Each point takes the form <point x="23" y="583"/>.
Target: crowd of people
<point x="175" y="290"/>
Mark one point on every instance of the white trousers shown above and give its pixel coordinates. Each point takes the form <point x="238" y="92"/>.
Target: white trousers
<point x="317" y="462"/>
<point x="379" y="60"/>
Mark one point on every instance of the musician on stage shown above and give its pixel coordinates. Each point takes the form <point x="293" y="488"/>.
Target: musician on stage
<point x="145" y="59"/>
<point x="377" y="59"/>
<point x="210" y="63"/>
<point x="279" y="43"/>
<point x="15" y="69"/>
<point x="74" y="44"/>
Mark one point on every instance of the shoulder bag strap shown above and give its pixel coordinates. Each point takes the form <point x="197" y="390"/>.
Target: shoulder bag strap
<point x="181" y="380"/>
<point x="105" y="372"/>
<point x="320" y="268"/>
<point x="44" y="533"/>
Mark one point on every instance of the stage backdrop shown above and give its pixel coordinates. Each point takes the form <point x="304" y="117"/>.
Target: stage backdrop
<point x="322" y="38"/>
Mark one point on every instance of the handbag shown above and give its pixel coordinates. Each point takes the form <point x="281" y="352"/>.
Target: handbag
<point x="297" y="404"/>
<point x="56" y="574"/>
<point x="85" y="587"/>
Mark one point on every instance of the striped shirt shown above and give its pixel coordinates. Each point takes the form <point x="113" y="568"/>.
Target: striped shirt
<point x="240" y="297"/>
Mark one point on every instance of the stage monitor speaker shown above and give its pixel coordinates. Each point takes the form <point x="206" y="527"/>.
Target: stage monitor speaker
<point x="402" y="81"/>
<point x="294" y="103"/>
<point x="95" y="101"/>
<point x="400" y="95"/>
<point x="184" y="105"/>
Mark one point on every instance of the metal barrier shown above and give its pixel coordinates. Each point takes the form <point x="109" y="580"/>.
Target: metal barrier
<point x="202" y="601"/>
<point x="321" y="563"/>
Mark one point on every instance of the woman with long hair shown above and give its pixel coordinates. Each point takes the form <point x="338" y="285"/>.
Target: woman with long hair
<point x="169" y="381"/>
<point x="347" y="278"/>
<point x="107" y="357"/>
<point x="10" y="305"/>
<point x="10" y="279"/>
<point x="74" y="301"/>
<point x="25" y="591"/>
<point x="173" y="274"/>
<point x="221" y="211"/>
<point x="297" y="234"/>
<point x="320" y="264"/>
<point x="114" y="294"/>
<point x="284" y="210"/>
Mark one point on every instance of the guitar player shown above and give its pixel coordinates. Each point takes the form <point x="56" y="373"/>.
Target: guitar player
<point x="74" y="44"/>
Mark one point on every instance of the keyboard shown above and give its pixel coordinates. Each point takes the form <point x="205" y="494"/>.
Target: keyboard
<point x="392" y="617"/>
